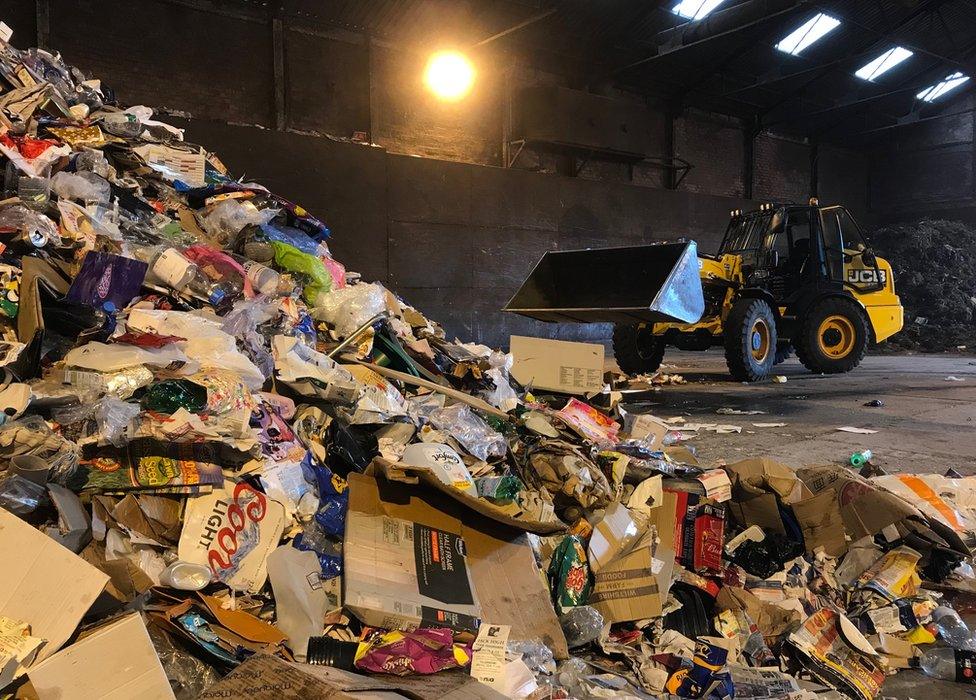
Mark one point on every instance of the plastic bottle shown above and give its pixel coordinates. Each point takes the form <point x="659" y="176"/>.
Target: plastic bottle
<point x="263" y="278"/>
<point x="859" y="459"/>
<point x="166" y="265"/>
<point x="948" y="664"/>
<point x="952" y="629"/>
<point x="216" y="292"/>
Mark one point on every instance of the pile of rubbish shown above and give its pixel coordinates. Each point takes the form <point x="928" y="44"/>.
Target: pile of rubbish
<point x="933" y="263"/>
<point x="229" y="466"/>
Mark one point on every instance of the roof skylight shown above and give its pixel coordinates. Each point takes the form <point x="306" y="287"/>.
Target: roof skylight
<point x="809" y="32"/>
<point x="695" y="9"/>
<point x="934" y="92"/>
<point x="883" y="63"/>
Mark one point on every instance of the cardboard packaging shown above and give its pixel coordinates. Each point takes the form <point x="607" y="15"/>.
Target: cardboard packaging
<point x="635" y="585"/>
<point x="43" y="584"/>
<point x="115" y="662"/>
<point x="413" y="555"/>
<point x="761" y="486"/>
<point x="699" y="531"/>
<point x="557" y="365"/>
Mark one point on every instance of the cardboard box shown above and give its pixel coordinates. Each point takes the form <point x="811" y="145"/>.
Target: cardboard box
<point x="613" y="535"/>
<point x="115" y="662"/>
<point x="761" y="486"/>
<point x="699" y="532"/>
<point x="43" y="584"/>
<point x="557" y="365"/>
<point x="634" y="586"/>
<point x="394" y="533"/>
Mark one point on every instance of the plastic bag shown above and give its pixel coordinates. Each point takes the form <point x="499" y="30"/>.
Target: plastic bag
<point x="20" y="496"/>
<point x="349" y="308"/>
<point x="83" y="186"/>
<point x="226" y="219"/>
<point x="581" y="625"/>
<point x="115" y="419"/>
<point x="242" y="322"/>
<point x="32" y="226"/>
<point x="292" y="259"/>
<point x="471" y="431"/>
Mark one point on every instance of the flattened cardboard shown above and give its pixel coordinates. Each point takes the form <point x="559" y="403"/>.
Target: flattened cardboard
<point x="506" y="578"/>
<point x="410" y="474"/>
<point x="115" y="662"/>
<point x="865" y="508"/>
<point x="821" y="523"/>
<point x="244" y="624"/>
<point x="557" y="365"/>
<point x="43" y="584"/>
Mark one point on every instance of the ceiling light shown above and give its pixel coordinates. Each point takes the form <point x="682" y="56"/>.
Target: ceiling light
<point x="695" y="9"/>
<point x="934" y="92"/>
<point x="883" y="63"/>
<point x="449" y="75"/>
<point x="807" y="33"/>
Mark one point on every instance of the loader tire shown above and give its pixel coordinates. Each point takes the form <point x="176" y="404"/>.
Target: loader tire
<point x="833" y="337"/>
<point x="750" y="340"/>
<point x="636" y="349"/>
<point x="784" y="351"/>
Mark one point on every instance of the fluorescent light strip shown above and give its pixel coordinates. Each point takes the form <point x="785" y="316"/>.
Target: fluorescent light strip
<point x="695" y="9"/>
<point x="883" y="63"/>
<point x="809" y="32"/>
<point x="934" y="92"/>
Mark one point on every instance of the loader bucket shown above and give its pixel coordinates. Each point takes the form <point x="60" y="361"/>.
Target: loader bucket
<point x="657" y="283"/>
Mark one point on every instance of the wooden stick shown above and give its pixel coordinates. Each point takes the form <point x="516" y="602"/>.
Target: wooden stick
<point x="472" y="401"/>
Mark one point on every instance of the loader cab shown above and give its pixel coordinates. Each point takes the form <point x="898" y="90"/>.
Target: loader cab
<point x="789" y="249"/>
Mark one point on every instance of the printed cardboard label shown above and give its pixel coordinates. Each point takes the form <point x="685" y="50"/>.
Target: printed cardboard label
<point x="233" y="531"/>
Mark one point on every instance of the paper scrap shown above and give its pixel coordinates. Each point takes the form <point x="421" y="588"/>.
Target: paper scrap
<point x="17" y="649"/>
<point x="174" y="164"/>
<point x="488" y="661"/>
<point x="769" y="425"/>
<point x="859" y="431"/>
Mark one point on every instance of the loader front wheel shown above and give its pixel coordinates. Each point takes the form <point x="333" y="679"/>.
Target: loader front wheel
<point x="833" y="337"/>
<point x="637" y="349"/>
<point x="750" y="340"/>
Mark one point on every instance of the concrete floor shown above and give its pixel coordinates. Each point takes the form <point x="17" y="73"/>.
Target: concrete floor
<point x="928" y="424"/>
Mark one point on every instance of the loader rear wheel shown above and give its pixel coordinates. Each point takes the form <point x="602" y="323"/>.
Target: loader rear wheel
<point x="637" y="349"/>
<point x="750" y="340"/>
<point x="833" y="337"/>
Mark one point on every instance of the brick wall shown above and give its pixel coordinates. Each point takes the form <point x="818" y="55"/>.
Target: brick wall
<point x="716" y="148"/>
<point x="927" y="169"/>
<point x="781" y="170"/>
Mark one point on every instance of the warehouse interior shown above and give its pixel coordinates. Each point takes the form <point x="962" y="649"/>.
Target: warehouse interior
<point x="523" y="277"/>
<point x="278" y="91"/>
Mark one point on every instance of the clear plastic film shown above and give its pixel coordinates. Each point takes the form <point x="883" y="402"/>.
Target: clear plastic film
<point x="474" y="434"/>
<point x="349" y="308"/>
<point x="20" y="496"/>
<point x="226" y="219"/>
<point x="115" y="419"/>
<point x="188" y="676"/>
<point x="83" y="186"/>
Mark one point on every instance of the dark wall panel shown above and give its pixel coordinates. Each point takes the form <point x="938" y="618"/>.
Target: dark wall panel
<point x="166" y="55"/>
<point x="327" y="84"/>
